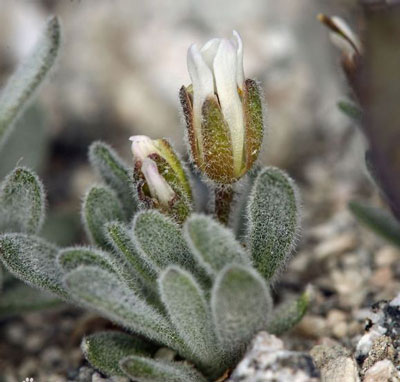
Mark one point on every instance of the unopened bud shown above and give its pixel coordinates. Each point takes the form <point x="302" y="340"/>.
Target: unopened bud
<point x="223" y="111"/>
<point x="160" y="178"/>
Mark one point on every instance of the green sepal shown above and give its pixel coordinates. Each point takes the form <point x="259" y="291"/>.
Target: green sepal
<point x="104" y="350"/>
<point x="273" y="215"/>
<point x="254" y="121"/>
<point x="217" y="144"/>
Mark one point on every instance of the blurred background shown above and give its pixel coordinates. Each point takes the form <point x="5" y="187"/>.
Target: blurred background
<point x="119" y="72"/>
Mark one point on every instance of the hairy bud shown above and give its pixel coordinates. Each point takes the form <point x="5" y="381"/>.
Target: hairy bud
<point x="223" y="111"/>
<point x="160" y="178"/>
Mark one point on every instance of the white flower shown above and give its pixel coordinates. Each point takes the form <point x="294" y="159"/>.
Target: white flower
<point x="217" y="69"/>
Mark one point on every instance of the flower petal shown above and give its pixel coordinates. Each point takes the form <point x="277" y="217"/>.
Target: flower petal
<point x="239" y="57"/>
<point x="142" y="147"/>
<point x="225" y="71"/>
<point x="158" y="186"/>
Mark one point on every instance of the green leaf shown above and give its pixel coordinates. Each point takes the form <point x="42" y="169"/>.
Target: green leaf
<point x="378" y="220"/>
<point x="161" y="240"/>
<point x="105" y="293"/>
<point x="115" y="173"/>
<point x="241" y="305"/>
<point x="104" y="350"/>
<point x="142" y="369"/>
<point x="190" y="314"/>
<point x="273" y="220"/>
<point x="19" y="298"/>
<point x="33" y="260"/>
<point x="71" y="258"/>
<point x="288" y="314"/>
<point x="22" y="202"/>
<point x="213" y="244"/>
<point x="351" y="110"/>
<point x="100" y="206"/>
<point x="122" y="242"/>
<point x="23" y="83"/>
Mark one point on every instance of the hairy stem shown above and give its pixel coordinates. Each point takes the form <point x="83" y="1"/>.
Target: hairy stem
<point x="223" y="202"/>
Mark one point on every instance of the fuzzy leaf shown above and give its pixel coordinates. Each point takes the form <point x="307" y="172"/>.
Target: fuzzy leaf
<point x="19" y="298"/>
<point x="27" y="78"/>
<point x="115" y="173"/>
<point x="191" y="316"/>
<point x="71" y="258"/>
<point x="289" y="314"/>
<point x="214" y="245"/>
<point x="378" y="220"/>
<point x="33" y="260"/>
<point x="241" y="304"/>
<point x="99" y="207"/>
<point x="161" y="240"/>
<point x="22" y="202"/>
<point x="273" y="220"/>
<point x="122" y="241"/>
<point x="104" y="350"/>
<point x="142" y="369"/>
<point x="103" y="292"/>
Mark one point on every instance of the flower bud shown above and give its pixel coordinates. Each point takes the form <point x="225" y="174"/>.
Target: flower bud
<point x="223" y="111"/>
<point x="160" y="178"/>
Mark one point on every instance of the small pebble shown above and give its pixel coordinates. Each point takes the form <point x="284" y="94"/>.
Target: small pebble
<point x="382" y="371"/>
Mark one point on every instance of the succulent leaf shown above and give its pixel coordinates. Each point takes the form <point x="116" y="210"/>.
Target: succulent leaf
<point x="104" y="350"/>
<point x="273" y="215"/>
<point x="19" y="298"/>
<point x="190" y="314"/>
<point x="378" y="220"/>
<point x="22" y="202"/>
<point x="71" y="258"/>
<point x="241" y="305"/>
<point x="142" y="369"/>
<point x="161" y="240"/>
<point x="103" y="292"/>
<point x="115" y="173"/>
<point x="288" y="314"/>
<point x="121" y="240"/>
<point x="28" y="77"/>
<point x="213" y="244"/>
<point x="33" y="260"/>
<point x="100" y="206"/>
